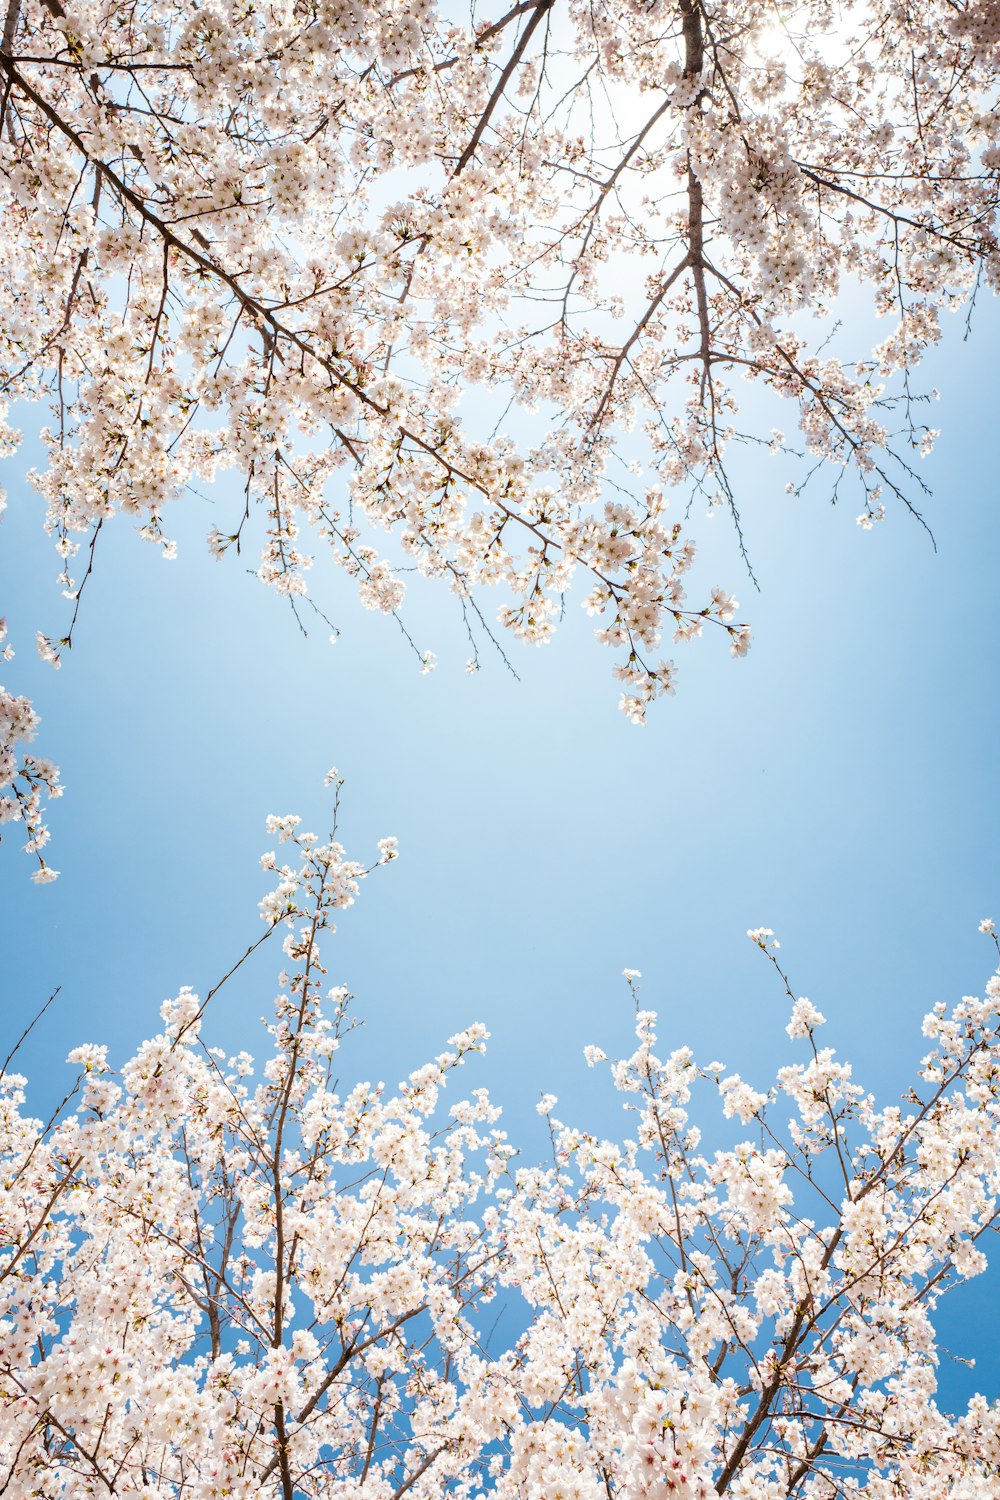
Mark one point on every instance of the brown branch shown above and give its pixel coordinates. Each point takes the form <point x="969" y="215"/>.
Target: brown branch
<point x="542" y="8"/>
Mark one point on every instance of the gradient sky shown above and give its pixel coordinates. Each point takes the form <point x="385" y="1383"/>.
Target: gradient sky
<point x="839" y="785"/>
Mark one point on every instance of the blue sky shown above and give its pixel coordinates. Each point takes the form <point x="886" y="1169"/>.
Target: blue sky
<point x="839" y="786"/>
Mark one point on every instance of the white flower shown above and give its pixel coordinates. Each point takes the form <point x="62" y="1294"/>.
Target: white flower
<point x="739" y="1099"/>
<point x="90" y="1057"/>
<point x="47" y="651"/>
<point x="804" y="1018"/>
<point x="724" y="605"/>
<point x="740" y="642"/>
<point x="284" y="826"/>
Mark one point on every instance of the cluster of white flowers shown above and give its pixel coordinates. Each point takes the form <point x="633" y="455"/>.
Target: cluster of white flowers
<point x="283" y="1285"/>
<point x="293" y="244"/>
<point x="804" y="1018"/>
<point x="763" y="936"/>
<point x="24" y="778"/>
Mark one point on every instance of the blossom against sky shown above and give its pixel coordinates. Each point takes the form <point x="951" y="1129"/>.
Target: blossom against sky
<point x="293" y="327"/>
<point x="836" y="784"/>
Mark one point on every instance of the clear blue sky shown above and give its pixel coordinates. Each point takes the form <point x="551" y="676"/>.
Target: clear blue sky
<point x="839" y="786"/>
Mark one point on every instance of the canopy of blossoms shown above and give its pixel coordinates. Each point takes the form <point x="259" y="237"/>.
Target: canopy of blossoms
<point x="216" y="1281"/>
<point x="347" y="250"/>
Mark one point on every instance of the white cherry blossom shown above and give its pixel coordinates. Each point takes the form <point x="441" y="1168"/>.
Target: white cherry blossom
<point x="421" y="278"/>
<point x="285" y="1281"/>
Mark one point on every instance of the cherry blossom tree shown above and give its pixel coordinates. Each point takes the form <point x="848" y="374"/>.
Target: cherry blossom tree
<point x="216" y="1282"/>
<point x="479" y="296"/>
<point x="349" y="250"/>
